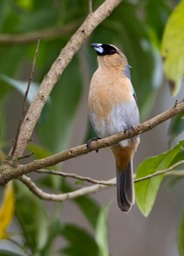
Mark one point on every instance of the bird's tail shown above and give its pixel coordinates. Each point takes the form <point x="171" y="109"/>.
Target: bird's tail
<point x="124" y="174"/>
<point x="125" y="188"/>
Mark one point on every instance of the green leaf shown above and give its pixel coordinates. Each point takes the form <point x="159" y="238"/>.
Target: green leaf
<point x="102" y="232"/>
<point x="89" y="207"/>
<point x="39" y="151"/>
<point x="33" y="218"/>
<point x="53" y="233"/>
<point x="80" y="242"/>
<point x="176" y="126"/>
<point x="181" y="236"/>
<point x="172" y="48"/>
<point x="157" y="19"/>
<point x="147" y="190"/>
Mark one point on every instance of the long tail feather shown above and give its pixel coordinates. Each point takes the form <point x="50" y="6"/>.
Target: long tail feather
<point x="125" y="188"/>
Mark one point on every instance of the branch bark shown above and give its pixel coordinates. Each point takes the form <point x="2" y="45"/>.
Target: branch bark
<point x="11" y="169"/>
<point x="89" y="189"/>
<point x="62" y="197"/>
<point x="54" y="74"/>
<point x="75" y="176"/>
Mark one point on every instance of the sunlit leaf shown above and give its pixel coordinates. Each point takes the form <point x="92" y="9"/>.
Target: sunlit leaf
<point x="27" y="5"/>
<point x="146" y="190"/>
<point x="7" y="210"/>
<point x="172" y="48"/>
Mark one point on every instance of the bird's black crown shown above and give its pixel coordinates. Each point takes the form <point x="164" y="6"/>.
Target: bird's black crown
<point x="104" y="49"/>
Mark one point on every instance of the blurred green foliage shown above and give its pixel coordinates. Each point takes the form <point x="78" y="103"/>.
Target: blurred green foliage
<point x="137" y="30"/>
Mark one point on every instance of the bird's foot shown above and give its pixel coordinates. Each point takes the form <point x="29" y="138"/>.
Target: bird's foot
<point x="88" y="143"/>
<point x="128" y="130"/>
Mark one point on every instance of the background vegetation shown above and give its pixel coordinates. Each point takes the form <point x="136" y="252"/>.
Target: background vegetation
<point x="137" y="27"/>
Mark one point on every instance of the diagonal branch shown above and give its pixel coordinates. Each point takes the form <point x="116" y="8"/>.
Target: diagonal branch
<point x="54" y="74"/>
<point x="9" y="170"/>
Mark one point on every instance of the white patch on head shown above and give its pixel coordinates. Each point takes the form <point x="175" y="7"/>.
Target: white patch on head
<point x="99" y="48"/>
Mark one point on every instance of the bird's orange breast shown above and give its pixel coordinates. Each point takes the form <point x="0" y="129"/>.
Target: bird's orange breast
<point x="108" y="90"/>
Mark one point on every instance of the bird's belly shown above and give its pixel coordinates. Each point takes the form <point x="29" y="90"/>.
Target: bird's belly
<point x="120" y="118"/>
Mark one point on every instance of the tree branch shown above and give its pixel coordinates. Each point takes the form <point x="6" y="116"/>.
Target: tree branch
<point x="75" y="176"/>
<point x="48" y="34"/>
<point x="90" y="189"/>
<point x="54" y="74"/>
<point x="62" y="197"/>
<point x="10" y="170"/>
<point x="12" y="151"/>
<point x="168" y="171"/>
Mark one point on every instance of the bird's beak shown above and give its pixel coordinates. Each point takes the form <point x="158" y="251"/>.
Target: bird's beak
<point x="98" y="48"/>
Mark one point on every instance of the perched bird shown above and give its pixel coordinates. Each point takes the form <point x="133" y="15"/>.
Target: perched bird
<point x="112" y="108"/>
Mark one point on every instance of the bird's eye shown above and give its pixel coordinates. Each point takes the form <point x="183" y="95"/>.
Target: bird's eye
<point x="112" y="51"/>
<point x="109" y="49"/>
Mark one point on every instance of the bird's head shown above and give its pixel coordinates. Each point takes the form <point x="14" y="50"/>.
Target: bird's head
<point x="109" y="55"/>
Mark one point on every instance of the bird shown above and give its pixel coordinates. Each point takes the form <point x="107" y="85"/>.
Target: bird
<point x="112" y="108"/>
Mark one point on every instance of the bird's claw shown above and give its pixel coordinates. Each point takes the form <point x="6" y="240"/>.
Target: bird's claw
<point x="88" y="143"/>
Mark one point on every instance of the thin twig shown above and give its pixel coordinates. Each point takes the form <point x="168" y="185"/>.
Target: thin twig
<point x="90" y="6"/>
<point x="9" y="171"/>
<point x="26" y="156"/>
<point x="75" y="176"/>
<point x="30" y="78"/>
<point x="11" y="154"/>
<point x="62" y="197"/>
<point x="178" y="173"/>
<point x="168" y="171"/>
<point x="85" y="190"/>
<point x="157" y="173"/>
